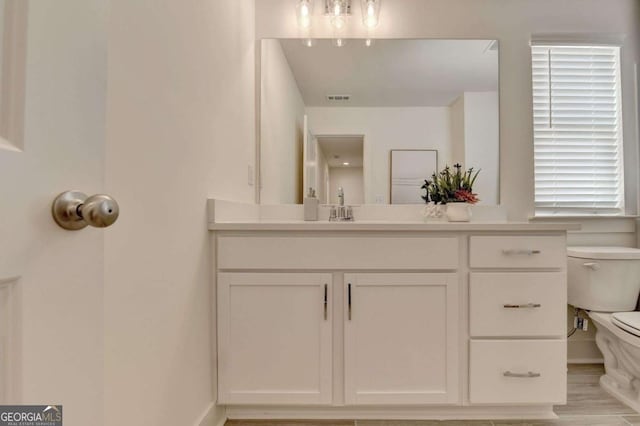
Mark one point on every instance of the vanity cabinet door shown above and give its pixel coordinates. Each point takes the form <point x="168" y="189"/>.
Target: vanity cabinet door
<point x="274" y="338"/>
<point x="401" y="339"/>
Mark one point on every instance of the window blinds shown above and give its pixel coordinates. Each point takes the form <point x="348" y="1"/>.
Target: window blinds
<point x="577" y="130"/>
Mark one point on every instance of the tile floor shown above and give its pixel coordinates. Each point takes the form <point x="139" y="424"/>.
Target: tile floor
<point x="588" y="405"/>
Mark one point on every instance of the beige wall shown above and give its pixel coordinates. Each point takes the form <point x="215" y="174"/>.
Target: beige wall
<point x="180" y="129"/>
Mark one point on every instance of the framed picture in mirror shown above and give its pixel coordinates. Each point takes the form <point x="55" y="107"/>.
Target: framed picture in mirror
<point x="409" y="169"/>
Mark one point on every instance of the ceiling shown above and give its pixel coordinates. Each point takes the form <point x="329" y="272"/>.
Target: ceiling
<point x="392" y="73"/>
<point x="348" y="149"/>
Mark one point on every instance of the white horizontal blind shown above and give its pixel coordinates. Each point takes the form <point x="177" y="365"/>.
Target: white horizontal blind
<point x="577" y="130"/>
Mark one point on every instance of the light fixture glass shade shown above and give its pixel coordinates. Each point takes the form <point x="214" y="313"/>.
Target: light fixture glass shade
<point x="368" y="42"/>
<point x="338" y="11"/>
<point x="371" y="13"/>
<point x="304" y="11"/>
<point x="339" y="42"/>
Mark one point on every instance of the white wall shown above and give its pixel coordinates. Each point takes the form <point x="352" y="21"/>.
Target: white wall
<point x="457" y="131"/>
<point x="512" y="23"/>
<point x="482" y="135"/>
<point x="351" y="180"/>
<point x="181" y="114"/>
<point x="281" y="128"/>
<point x="475" y="140"/>
<point x="323" y="178"/>
<point x="385" y="129"/>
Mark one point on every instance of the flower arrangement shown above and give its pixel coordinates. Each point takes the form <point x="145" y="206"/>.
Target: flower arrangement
<point x="451" y="186"/>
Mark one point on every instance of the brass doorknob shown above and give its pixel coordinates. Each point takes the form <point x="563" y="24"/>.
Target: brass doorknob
<point x="73" y="210"/>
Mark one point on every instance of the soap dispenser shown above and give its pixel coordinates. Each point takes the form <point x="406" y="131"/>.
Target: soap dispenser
<point x="311" y="206"/>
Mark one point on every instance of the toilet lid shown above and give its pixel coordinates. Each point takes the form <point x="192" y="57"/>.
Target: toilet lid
<point x="604" y="253"/>
<point x="628" y="321"/>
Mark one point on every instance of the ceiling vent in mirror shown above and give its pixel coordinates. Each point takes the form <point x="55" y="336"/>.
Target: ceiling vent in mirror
<point x="338" y="98"/>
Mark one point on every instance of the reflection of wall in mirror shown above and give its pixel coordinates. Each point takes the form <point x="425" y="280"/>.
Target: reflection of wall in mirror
<point x="350" y="179"/>
<point x="475" y="139"/>
<point x="280" y="129"/>
<point x="385" y="129"/>
<point x="409" y="169"/>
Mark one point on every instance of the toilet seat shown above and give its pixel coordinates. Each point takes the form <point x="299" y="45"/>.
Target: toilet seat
<point x="627" y="321"/>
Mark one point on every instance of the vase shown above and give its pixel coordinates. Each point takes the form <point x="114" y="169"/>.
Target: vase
<point x="458" y="212"/>
<point x="433" y="212"/>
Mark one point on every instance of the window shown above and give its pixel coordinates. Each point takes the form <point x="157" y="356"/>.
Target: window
<point x="577" y="130"/>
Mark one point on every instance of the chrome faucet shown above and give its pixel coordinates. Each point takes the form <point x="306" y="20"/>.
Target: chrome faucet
<point x="341" y="213"/>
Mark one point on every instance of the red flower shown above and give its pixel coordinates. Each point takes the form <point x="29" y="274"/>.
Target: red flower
<point x="466" y="196"/>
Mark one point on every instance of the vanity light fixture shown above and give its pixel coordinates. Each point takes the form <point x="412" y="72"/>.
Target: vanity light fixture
<point x="304" y="11"/>
<point x="371" y="13"/>
<point x="338" y="11"/>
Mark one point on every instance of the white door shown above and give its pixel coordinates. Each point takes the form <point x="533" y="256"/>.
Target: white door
<point x="54" y="64"/>
<point x="401" y="339"/>
<point x="274" y="338"/>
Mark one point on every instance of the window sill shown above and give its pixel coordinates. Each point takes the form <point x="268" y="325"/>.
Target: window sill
<point x="581" y="217"/>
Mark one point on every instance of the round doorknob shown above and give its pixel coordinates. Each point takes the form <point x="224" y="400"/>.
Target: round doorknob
<point x="73" y="210"/>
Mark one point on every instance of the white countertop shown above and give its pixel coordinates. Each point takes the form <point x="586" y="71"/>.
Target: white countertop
<point x="391" y="226"/>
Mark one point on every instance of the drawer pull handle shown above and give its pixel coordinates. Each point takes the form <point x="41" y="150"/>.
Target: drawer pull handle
<point x="525" y="306"/>
<point x="515" y="252"/>
<point x="529" y="375"/>
<point x="326" y="300"/>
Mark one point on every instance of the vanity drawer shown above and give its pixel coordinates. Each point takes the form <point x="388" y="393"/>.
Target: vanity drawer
<point x="518" y="252"/>
<point x="372" y="253"/>
<point x="518" y="304"/>
<point x="518" y="372"/>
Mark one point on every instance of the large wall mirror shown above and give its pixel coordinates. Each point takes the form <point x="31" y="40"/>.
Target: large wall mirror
<point x="374" y="118"/>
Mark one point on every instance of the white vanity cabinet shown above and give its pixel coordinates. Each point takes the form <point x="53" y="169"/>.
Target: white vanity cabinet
<point x="401" y="339"/>
<point x="518" y="345"/>
<point x="274" y="333"/>
<point x="463" y="322"/>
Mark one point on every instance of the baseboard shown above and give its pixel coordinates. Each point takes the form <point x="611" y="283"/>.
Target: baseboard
<point x="212" y="416"/>
<point x="585" y="361"/>
<point x="393" y="413"/>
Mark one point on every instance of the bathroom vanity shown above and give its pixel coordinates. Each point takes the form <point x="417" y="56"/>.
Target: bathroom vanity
<point x="390" y="319"/>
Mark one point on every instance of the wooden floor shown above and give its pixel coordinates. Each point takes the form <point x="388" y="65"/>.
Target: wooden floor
<point x="588" y="405"/>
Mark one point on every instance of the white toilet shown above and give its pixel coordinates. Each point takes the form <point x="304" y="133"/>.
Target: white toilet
<point x="606" y="282"/>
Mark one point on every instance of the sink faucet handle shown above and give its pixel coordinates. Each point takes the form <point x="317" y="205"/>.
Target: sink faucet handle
<point x="333" y="213"/>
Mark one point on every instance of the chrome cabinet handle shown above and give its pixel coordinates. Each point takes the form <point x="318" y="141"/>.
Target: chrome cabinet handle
<point x="349" y="299"/>
<point x="326" y="300"/>
<point x="525" y="306"/>
<point x="529" y="375"/>
<point x="516" y="252"/>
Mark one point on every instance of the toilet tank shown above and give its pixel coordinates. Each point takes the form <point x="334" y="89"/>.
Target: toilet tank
<point x="604" y="279"/>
